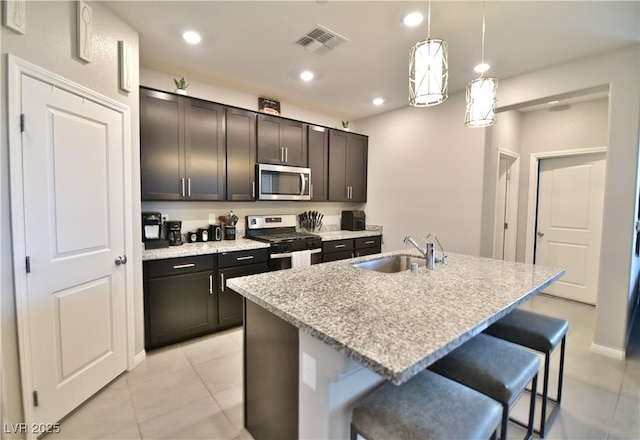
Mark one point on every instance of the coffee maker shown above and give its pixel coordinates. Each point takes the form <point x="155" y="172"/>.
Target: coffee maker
<point x="174" y="232"/>
<point x="151" y="231"/>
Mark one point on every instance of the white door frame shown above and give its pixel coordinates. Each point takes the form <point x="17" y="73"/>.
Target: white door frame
<point x="532" y="209"/>
<point x="512" y="202"/>
<point x="16" y="68"/>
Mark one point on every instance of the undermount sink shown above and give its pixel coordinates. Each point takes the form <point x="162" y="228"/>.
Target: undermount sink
<point x="392" y="264"/>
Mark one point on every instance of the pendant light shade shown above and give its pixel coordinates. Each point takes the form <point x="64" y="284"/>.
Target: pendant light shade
<point x="481" y="102"/>
<point x="481" y="96"/>
<point x="428" y="73"/>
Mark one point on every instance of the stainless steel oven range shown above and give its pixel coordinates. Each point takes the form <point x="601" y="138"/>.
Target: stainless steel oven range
<point x="286" y="244"/>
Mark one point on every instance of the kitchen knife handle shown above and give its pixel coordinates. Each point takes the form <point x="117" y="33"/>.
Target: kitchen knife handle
<point x="222" y="282"/>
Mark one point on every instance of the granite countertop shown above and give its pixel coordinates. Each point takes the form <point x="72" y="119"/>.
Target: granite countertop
<point x="396" y="324"/>
<point x="239" y="244"/>
<point x="210" y="247"/>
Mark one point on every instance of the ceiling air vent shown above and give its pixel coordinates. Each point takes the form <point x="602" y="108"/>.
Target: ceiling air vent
<point x="320" y="40"/>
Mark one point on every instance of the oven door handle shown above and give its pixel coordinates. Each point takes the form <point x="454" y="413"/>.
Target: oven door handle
<point x="288" y="254"/>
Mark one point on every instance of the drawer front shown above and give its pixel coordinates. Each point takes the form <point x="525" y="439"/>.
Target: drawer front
<point x="337" y="246"/>
<point x="366" y="242"/>
<point x="180" y="266"/>
<point x="238" y="258"/>
<point x="335" y="256"/>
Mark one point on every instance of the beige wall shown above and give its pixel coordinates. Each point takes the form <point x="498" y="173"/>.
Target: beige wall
<point x="49" y="43"/>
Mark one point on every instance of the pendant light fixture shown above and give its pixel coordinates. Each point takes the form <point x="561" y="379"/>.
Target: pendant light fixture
<point x="428" y="70"/>
<point x="481" y="95"/>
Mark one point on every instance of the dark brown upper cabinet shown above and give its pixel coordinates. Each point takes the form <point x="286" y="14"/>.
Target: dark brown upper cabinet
<point x="241" y="154"/>
<point x="282" y="141"/>
<point x="318" y="141"/>
<point x="182" y="148"/>
<point x="347" y="166"/>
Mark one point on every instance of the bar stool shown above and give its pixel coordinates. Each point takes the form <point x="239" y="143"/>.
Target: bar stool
<point x="496" y="368"/>
<point x="428" y="406"/>
<point x="540" y="333"/>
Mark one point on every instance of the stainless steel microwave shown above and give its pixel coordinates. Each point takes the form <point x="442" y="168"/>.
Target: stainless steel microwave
<point x="280" y="182"/>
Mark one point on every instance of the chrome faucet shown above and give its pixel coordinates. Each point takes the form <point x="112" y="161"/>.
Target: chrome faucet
<point x="442" y="260"/>
<point x="428" y="252"/>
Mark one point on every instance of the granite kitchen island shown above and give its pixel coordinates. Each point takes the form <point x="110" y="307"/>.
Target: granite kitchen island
<point x="318" y="338"/>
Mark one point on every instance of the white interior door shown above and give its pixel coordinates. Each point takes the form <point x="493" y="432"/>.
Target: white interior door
<point x="74" y="220"/>
<point x="506" y="212"/>
<point x="569" y="223"/>
<point x="501" y="205"/>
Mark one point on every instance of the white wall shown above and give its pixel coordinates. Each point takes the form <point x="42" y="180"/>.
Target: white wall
<point x="50" y="43"/>
<point x="425" y="175"/>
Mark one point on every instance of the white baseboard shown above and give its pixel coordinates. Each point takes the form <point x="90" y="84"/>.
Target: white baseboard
<point x="140" y="357"/>
<point x="609" y="352"/>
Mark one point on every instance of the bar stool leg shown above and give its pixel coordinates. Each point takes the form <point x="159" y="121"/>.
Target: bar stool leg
<point x="532" y="407"/>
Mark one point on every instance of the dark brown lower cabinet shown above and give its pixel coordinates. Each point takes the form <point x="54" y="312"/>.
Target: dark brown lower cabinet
<point x="229" y="302"/>
<point x="180" y="300"/>
<point x="348" y="248"/>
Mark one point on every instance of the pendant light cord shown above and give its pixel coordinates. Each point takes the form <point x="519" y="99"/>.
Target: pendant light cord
<point x="483" y="28"/>
<point x="429" y="21"/>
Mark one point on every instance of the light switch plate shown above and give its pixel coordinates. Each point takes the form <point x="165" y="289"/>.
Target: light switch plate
<point x="309" y="370"/>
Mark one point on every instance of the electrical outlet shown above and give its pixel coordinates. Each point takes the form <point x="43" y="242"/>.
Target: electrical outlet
<point x="309" y="370"/>
<point x="212" y="218"/>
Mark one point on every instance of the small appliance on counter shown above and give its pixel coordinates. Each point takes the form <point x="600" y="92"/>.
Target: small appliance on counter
<point x="174" y="232"/>
<point x="203" y="234"/>
<point x="152" y="231"/>
<point x="353" y="221"/>
<point x="215" y="232"/>
<point x="192" y="237"/>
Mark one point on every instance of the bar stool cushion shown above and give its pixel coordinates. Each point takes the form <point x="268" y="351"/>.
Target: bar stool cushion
<point x="496" y="368"/>
<point x="428" y="406"/>
<point x="538" y="332"/>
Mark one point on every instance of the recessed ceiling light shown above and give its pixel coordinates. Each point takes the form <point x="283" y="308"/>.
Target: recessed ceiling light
<point x="191" y="37"/>
<point x="413" y="19"/>
<point x="378" y="101"/>
<point x="553" y="102"/>
<point x="306" y="75"/>
<point x="481" y="68"/>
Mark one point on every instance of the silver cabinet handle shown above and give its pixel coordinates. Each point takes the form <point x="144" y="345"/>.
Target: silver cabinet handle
<point x="189" y="186"/>
<point x="281" y="154"/>
<point x="121" y="260"/>
<point x="369" y="242"/>
<point x="253" y="189"/>
<point x="221" y="282"/>
<point x="183" y="266"/>
<point x="210" y="284"/>
<point x="338" y="246"/>
<point x="286" y="154"/>
<point x="249" y="257"/>
<point x="182" y="183"/>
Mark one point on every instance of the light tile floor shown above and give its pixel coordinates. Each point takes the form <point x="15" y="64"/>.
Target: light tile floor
<point x="193" y="390"/>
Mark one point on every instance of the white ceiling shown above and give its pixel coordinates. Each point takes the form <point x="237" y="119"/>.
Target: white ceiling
<point x="248" y="45"/>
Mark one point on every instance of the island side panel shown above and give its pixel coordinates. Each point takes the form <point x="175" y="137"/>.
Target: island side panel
<point x="270" y="375"/>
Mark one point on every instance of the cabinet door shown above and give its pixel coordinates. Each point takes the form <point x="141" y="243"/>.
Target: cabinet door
<point x="337" y="166"/>
<point x="180" y="307"/>
<point x="229" y="302"/>
<point x="204" y="150"/>
<point x="318" y="141"/>
<point x="161" y="145"/>
<point x="269" y="143"/>
<point x="241" y="154"/>
<point x="281" y="141"/>
<point x="294" y="142"/>
<point x="356" y="168"/>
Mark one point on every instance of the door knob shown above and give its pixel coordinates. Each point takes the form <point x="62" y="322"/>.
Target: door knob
<point x="121" y="260"/>
<point x="540" y="234"/>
